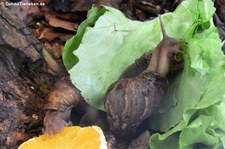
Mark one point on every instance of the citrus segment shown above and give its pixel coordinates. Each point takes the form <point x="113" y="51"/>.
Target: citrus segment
<point x="73" y="137"/>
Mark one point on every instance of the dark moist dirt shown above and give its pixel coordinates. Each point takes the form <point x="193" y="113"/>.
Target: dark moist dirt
<point x="51" y="26"/>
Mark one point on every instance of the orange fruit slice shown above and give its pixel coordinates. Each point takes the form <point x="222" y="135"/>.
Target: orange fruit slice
<point x="73" y="137"/>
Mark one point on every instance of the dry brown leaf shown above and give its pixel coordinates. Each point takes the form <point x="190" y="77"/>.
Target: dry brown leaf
<point x="48" y="34"/>
<point x="62" y="24"/>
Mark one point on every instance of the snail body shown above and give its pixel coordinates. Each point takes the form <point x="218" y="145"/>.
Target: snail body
<point x="131" y="100"/>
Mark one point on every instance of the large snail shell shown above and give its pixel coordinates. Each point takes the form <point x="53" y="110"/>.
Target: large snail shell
<point x="131" y="100"/>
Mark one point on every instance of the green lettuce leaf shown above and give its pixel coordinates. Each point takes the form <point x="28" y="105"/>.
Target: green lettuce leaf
<point x="192" y="105"/>
<point x="192" y="113"/>
<point x="69" y="59"/>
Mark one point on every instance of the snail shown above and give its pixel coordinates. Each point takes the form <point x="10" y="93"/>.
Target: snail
<point x="131" y="100"/>
<point x="59" y="102"/>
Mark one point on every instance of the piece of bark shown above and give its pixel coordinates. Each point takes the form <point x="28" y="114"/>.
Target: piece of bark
<point x="20" y="96"/>
<point x="23" y="83"/>
<point x="14" y="33"/>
